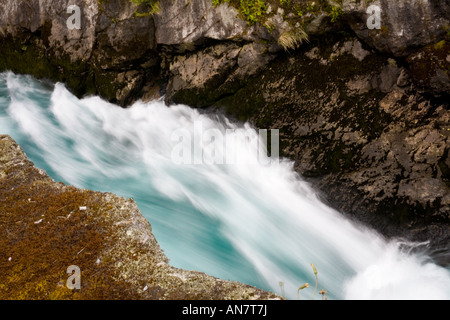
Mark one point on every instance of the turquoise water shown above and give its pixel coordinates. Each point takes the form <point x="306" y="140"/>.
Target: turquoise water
<point x="252" y="221"/>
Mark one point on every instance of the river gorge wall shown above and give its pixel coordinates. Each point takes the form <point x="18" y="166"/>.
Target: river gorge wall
<point x="363" y="112"/>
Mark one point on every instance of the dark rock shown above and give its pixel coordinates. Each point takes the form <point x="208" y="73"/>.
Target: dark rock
<point x="377" y="152"/>
<point x="429" y="67"/>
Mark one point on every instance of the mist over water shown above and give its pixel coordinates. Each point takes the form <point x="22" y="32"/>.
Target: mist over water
<point x="258" y="223"/>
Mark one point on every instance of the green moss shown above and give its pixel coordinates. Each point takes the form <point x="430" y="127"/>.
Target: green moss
<point x="297" y="13"/>
<point x="258" y="10"/>
<point x="106" y="84"/>
<point x="335" y="13"/>
<point x="440" y="45"/>
<point x="384" y="30"/>
<point x="251" y="10"/>
<point x="148" y="7"/>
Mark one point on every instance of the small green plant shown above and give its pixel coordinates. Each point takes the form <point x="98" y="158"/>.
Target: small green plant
<point x="281" y="283"/>
<point x="317" y="279"/>
<point x="323" y="294"/>
<point x="335" y="13"/>
<point x="252" y="10"/>
<point x="311" y="6"/>
<point x="440" y="45"/>
<point x="306" y="285"/>
<point x="151" y="7"/>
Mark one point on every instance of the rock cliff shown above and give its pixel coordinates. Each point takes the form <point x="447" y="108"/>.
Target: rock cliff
<point x="363" y="112"/>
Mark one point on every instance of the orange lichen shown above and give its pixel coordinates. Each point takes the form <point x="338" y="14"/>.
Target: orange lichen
<point x="72" y="237"/>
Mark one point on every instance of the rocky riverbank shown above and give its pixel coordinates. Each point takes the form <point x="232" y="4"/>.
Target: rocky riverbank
<point x="48" y="227"/>
<point x="363" y="112"/>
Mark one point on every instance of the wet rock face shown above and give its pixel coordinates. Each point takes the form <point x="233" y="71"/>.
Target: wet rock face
<point x="357" y="127"/>
<point x="19" y="16"/>
<point x="125" y="56"/>
<point x="38" y="38"/>
<point x="47" y="227"/>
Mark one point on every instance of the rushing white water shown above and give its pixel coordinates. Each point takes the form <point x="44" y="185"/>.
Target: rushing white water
<point x="256" y="223"/>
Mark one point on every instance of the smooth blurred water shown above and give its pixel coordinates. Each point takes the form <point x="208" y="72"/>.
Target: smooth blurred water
<point x="256" y="223"/>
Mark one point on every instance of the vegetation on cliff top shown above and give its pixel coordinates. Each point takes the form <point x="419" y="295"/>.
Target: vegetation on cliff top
<point x="297" y="13"/>
<point x="151" y="7"/>
<point x="259" y="10"/>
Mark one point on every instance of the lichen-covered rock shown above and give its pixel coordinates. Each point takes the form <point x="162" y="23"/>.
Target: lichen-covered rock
<point x="47" y="227"/>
